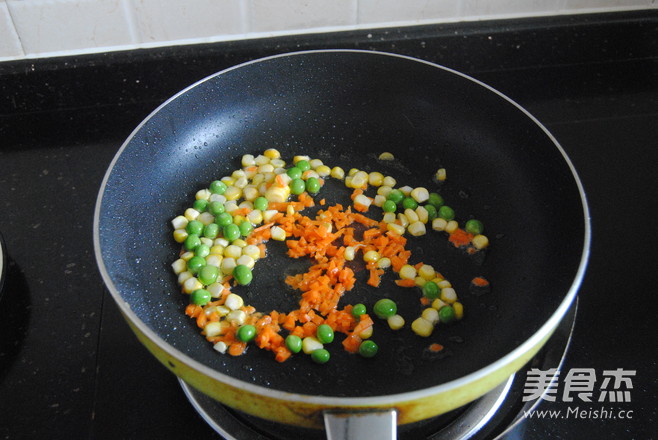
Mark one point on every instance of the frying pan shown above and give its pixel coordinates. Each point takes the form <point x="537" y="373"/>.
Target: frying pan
<point x="346" y="107"/>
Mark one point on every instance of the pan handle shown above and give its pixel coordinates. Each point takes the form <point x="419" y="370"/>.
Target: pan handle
<point x="379" y="424"/>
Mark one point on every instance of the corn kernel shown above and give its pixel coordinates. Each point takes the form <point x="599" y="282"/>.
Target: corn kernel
<point x="384" y="263"/>
<point x="202" y="194"/>
<point x="384" y="190"/>
<point x="395" y="228"/>
<point x="386" y="156"/>
<point x="350" y="253"/>
<point x="216" y="290"/>
<point x="191" y="284"/>
<point x="423" y="215"/>
<point x="255" y="217"/>
<point x="417" y="229"/>
<point x="420" y="194"/>
<point x="268" y="170"/>
<point x="184" y="276"/>
<point x="272" y="153"/>
<point x="278" y="233"/>
<point x="228" y="180"/>
<point x="310" y="344"/>
<point x="251" y="250"/>
<point x="411" y="215"/>
<point x="220" y="347"/>
<point x="452" y="226"/>
<point x="234" y="301"/>
<point x="426" y="271"/>
<point x="407" y="272"/>
<point x="437" y="304"/>
<point x="248" y="160"/>
<point x="448" y="295"/>
<point x="214" y="260"/>
<point x="206" y="218"/>
<point x="323" y="171"/>
<point x="406" y="190"/>
<point x="371" y="256"/>
<point x="278" y="163"/>
<point x="180" y="235"/>
<point x="420" y="281"/>
<point x="443" y="284"/>
<point x="179" y="266"/>
<point x="395" y="322"/>
<point x="389" y="181"/>
<point x="337" y="173"/>
<point x="232" y="251"/>
<point x="180" y="222"/>
<point x="246" y="260"/>
<point x="227" y="266"/>
<point x="441" y="174"/>
<point x="237" y="317"/>
<point x="459" y="310"/>
<point x="379" y="200"/>
<point x="431" y="314"/>
<point x="250" y="193"/>
<point x="239" y="243"/>
<point x="389" y="217"/>
<point x="215" y="328"/>
<point x="233" y="193"/>
<point x="191" y="214"/>
<point x="261" y="160"/>
<point x="375" y="178"/>
<point x="404" y="221"/>
<point x="422" y="327"/>
<point x="439" y="224"/>
<point x="480" y="241"/>
<point x="187" y="255"/>
<point x="363" y="200"/>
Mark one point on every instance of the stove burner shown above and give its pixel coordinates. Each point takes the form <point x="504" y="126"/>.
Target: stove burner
<point x="490" y="417"/>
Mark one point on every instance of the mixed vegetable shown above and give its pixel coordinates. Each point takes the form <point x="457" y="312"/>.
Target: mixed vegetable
<point x="225" y="232"/>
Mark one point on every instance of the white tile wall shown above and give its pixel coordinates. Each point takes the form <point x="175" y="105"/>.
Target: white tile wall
<point x="44" y="28"/>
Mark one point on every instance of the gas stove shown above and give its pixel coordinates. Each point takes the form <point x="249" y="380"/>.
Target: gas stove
<point x="497" y="415"/>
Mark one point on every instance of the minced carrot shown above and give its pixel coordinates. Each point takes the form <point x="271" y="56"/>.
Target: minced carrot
<point x="460" y="238"/>
<point x="406" y="283"/>
<point x="480" y="282"/>
<point x="435" y="347"/>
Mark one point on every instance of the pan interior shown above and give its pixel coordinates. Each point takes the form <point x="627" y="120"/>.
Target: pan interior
<point x="346" y="108"/>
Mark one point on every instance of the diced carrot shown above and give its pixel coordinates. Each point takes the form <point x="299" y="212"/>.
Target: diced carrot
<point x="406" y="283"/>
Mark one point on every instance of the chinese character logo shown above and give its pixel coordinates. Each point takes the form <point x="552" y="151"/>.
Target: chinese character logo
<point x="580" y="383"/>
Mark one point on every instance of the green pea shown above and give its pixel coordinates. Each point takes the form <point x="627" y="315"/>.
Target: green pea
<point x="385" y="308"/>
<point x="389" y="206"/>
<point x="303" y="165"/>
<point x="474" y="227"/>
<point x="211" y="230"/>
<point x="202" y="250"/>
<point x="294" y="343"/>
<point x="435" y="200"/>
<point x="242" y="274"/>
<point x="431" y="290"/>
<point x="294" y="173"/>
<point x="194" y="227"/>
<point x="368" y="349"/>
<point x="325" y="333"/>
<point x="358" y="310"/>
<point x="320" y="356"/>
<point x="224" y="219"/>
<point x="446" y="314"/>
<point x="261" y="203"/>
<point x="395" y="196"/>
<point x="191" y="242"/>
<point x="195" y="264"/>
<point x="218" y="187"/>
<point x="313" y="185"/>
<point x="216" y="208"/>
<point x="208" y="274"/>
<point x="231" y="232"/>
<point x="431" y="212"/>
<point x="246" y="332"/>
<point x="409" y="203"/>
<point x="200" y="205"/>
<point x="446" y="212"/>
<point x="297" y="186"/>
<point x="200" y="297"/>
<point x="245" y="228"/>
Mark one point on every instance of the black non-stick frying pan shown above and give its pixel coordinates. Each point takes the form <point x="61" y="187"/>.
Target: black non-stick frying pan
<point x="345" y="108"/>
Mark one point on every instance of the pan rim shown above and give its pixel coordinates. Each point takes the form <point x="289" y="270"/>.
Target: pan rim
<point x="384" y="399"/>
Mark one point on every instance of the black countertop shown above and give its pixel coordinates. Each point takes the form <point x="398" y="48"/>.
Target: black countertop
<point x="70" y="366"/>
